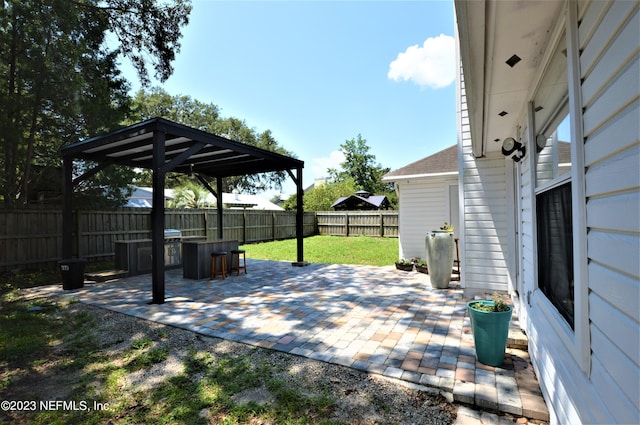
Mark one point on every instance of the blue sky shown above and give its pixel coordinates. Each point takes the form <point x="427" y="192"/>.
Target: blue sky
<point x="319" y="73"/>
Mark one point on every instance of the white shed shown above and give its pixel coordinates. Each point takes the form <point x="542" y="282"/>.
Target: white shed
<point x="427" y="197"/>
<point x="563" y="241"/>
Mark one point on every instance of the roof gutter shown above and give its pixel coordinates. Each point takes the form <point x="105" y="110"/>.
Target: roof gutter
<point x="418" y="176"/>
<point x="471" y="19"/>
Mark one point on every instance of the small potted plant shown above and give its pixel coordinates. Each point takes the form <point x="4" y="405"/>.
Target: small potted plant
<point x="446" y="227"/>
<point x="440" y="247"/>
<point x="421" y="266"/>
<point x="405" y="265"/>
<point x="490" y="325"/>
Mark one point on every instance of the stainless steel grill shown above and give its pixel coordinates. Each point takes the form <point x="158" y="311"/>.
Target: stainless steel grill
<point x="172" y="247"/>
<point x="172" y="234"/>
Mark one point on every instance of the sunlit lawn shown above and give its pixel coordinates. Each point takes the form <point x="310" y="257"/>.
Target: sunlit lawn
<point x="330" y="250"/>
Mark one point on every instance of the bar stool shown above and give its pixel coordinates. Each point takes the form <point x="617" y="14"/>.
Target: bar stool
<point x="222" y="255"/>
<point x="235" y="253"/>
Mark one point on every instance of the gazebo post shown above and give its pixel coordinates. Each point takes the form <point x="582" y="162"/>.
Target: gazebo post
<point x="219" y="205"/>
<point x="299" y="218"/>
<point x="67" y="213"/>
<point x="157" y="218"/>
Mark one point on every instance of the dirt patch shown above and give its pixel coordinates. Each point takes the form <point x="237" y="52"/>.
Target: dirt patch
<point x="358" y="398"/>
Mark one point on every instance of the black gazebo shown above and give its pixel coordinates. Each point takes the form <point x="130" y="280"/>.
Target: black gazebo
<point x="163" y="146"/>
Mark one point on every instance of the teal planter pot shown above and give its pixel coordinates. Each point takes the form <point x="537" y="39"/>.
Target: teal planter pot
<point x="440" y="246"/>
<point x="490" y="333"/>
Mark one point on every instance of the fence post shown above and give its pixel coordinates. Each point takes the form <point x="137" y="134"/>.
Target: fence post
<point x="346" y="223"/>
<point x="244" y="225"/>
<point x="381" y="225"/>
<point x="273" y="226"/>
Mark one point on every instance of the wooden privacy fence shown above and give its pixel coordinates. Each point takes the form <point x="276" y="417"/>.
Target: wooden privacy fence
<point x="357" y="223"/>
<point x="33" y="238"/>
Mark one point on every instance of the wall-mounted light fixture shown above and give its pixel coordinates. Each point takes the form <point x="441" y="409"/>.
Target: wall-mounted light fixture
<point x="511" y="147"/>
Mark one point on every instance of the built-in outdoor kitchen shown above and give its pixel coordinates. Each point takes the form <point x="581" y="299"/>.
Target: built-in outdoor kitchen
<point x="135" y="255"/>
<point x="192" y="253"/>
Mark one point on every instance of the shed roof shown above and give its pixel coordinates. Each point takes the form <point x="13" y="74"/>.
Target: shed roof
<point x="445" y="161"/>
<point x="374" y="200"/>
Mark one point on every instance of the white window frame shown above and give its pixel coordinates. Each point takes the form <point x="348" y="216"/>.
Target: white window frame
<point x="576" y="340"/>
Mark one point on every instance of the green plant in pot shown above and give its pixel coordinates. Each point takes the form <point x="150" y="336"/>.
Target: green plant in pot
<point x="490" y="324"/>
<point x="405" y="265"/>
<point x="421" y="266"/>
<point x="440" y="247"/>
<point x="446" y="227"/>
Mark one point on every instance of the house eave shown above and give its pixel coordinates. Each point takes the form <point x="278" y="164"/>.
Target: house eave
<point x="418" y="176"/>
<point x="472" y="47"/>
<point x="501" y="45"/>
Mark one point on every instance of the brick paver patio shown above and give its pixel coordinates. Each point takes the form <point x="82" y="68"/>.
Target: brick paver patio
<point x="375" y="319"/>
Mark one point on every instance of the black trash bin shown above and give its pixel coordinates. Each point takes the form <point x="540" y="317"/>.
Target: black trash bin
<point x="72" y="271"/>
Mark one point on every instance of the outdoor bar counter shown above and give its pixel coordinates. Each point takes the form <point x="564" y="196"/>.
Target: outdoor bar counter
<point x="196" y="256"/>
<point x="134" y="255"/>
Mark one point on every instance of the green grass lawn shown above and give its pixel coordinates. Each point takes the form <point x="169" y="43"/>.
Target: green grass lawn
<point x="330" y="250"/>
<point x="42" y="337"/>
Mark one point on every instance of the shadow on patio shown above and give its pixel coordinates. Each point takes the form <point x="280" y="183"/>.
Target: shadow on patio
<point x="374" y="319"/>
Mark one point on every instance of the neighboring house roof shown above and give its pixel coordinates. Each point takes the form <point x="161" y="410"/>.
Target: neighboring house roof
<point x="142" y="197"/>
<point x="443" y="162"/>
<point x="319" y="181"/>
<point x="242" y="200"/>
<point x="361" y="200"/>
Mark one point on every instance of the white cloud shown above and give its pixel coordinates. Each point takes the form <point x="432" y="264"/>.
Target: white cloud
<point x="432" y="65"/>
<point x="320" y="165"/>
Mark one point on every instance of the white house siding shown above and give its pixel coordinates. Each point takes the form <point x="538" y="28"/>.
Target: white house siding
<point x="485" y="243"/>
<point x="547" y="167"/>
<point x="609" y="390"/>
<point x="610" y="66"/>
<point x="483" y="203"/>
<point x="424" y="206"/>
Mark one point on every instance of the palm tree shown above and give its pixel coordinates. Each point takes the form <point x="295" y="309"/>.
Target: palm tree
<point x="191" y="195"/>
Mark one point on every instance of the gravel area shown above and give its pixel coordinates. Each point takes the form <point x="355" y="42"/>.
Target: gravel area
<point x="361" y="398"/>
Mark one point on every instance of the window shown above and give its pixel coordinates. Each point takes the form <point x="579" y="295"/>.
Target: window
<point x="554" y="160"/>
<point x="553" y="186"/>
<point x="555" y="248"/>
<point x="551" y="106"/>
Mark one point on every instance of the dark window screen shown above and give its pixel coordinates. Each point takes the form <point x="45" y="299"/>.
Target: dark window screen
<point x="555" y="248"/>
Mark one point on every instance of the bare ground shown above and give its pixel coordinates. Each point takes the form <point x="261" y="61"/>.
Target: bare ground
<point x="360" y="398"/>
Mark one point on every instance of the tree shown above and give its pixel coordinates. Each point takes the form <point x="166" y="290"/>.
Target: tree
<point x="191" y="195"/>
<point x="107" y="189"/>
<point x="146" y="30"/>
<point x="156" y="102"/>
<point x="206" y="117"/>
<point x="59" y="83"/>
<point x="322" y="196"/>
<point x="360" y="166"/>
